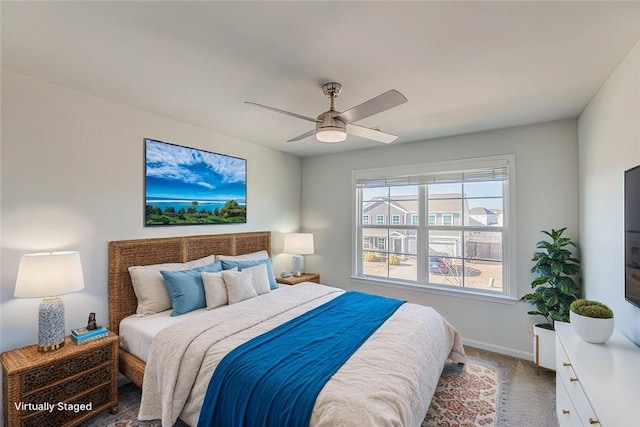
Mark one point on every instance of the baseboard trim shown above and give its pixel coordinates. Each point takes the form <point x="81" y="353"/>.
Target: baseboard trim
<point x="498" y="349"/>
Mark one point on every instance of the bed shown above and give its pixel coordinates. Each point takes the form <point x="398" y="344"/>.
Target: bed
<point x="388" y="381"/>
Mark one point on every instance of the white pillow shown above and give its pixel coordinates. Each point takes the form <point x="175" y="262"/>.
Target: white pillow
<point x="215" y="291"/>
<point x="259" y="278"/>
<point x="238" y="284"/>
<point x="253" y="256"/>
<point x="148" y="284"/>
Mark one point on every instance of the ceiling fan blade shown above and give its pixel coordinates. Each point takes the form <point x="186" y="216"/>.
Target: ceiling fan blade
<point x="303" y="136"/>
<point x="284" y="112"/>
<point x="374" y="134"/>
<point x="387" y="100"/>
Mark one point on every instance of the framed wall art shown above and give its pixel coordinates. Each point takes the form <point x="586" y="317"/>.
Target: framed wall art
<point x="187" y="186"/>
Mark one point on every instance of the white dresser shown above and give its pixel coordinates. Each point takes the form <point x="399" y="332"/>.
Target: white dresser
<point x="596" y="384"/>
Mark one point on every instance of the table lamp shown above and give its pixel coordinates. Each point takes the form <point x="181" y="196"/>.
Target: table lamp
<point x="49" y="274"/>
<point x="299" y="244"/>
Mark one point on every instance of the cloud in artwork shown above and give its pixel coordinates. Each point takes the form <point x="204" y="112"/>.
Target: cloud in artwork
<point x="176" y="172"/>
<point x="186" y="165"/>
<point x="231" y="169"/>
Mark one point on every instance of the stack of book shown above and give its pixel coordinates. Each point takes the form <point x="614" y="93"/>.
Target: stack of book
<point x="84" y="335"/>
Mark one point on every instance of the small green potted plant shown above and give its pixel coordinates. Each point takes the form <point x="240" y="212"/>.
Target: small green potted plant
<point x="592" y="320"/>
<point x="555" y="288"/>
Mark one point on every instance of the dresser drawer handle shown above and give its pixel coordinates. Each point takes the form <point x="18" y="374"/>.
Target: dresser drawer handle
<point x="593" y="421"/>
<point x="573" y="379"/>
<point x="565" y="411"/>
<point x="566" y="364"/>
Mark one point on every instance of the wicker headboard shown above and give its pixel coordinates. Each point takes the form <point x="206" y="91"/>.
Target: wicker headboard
<point x="126" y="253"/>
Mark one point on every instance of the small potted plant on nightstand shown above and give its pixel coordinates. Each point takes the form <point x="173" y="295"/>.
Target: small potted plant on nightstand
<point x="592" y="320"/>
<point x="555" y="290"/>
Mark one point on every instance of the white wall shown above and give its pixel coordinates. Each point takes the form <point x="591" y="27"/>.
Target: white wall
<point x="73" y="178"/>
<point x="609" y="144"/>
<point x="546" y="197"/>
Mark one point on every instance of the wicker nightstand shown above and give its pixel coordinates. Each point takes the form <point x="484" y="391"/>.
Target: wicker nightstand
<point x="294" y="280"/>
<point x="64" y="387"/>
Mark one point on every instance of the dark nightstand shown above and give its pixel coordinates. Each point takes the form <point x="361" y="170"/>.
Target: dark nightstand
<point x="294" y="280"/>
<point x="63" y="387"/>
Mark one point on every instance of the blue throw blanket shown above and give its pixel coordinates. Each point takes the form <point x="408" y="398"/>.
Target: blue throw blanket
<point x="274" y="379"/>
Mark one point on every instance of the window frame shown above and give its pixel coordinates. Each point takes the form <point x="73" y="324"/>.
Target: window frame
<point x="508" y="228"/>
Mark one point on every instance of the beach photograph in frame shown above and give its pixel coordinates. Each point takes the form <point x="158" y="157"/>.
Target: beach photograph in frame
<point x="187" y="186"/>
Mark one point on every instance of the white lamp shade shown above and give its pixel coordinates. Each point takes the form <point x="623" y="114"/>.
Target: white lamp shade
<point x="49" y="274"/>
<point x="298" y="243"/>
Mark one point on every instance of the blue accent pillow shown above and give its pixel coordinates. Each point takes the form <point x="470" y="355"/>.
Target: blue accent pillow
<point x="186" y="288"/>
<point x="228" y="265"/>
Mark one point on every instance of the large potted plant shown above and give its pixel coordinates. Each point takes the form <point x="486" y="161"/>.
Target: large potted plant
<point x="555" y="288"/>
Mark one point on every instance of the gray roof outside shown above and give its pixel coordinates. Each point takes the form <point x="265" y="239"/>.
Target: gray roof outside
<point x="438" y="203"/>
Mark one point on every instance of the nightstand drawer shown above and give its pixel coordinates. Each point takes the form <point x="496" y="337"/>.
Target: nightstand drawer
<point x="71" y="387"/>
<point x="99" y="398"/>
<point x="59" y="370"/>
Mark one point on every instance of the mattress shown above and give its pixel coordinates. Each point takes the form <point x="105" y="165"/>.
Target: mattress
<point x="136" y="333"/>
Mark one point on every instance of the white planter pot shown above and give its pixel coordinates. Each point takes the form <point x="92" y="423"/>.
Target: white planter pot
<point x="591" y="329"/>
<point x="544" y="347"/>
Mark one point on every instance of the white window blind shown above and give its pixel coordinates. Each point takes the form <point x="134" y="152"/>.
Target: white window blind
<point x="478" y="175"/>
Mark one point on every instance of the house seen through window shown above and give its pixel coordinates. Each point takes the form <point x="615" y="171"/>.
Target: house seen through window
<point x="448" y="226"/>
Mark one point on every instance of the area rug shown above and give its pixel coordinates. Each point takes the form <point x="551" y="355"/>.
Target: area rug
<point x="466" y="396"/>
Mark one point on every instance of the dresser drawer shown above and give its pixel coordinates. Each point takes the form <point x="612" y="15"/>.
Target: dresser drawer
<point x="566" y="412"/>
<point x="570" y="381"/>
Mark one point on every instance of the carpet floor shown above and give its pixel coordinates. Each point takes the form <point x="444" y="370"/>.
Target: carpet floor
<point x="492" y="390"/>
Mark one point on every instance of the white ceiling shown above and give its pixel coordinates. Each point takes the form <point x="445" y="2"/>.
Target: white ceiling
<point x="464" y="66"/>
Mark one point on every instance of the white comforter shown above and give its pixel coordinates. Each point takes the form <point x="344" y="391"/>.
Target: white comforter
<point x="389" y="381"/>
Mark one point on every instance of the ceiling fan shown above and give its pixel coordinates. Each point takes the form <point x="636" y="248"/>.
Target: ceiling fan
<point x="333" y="126"/>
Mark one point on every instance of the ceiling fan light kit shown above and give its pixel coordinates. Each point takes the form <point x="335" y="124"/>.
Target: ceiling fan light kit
<point x="333" y="126"/>
<point x="331" y="135"/>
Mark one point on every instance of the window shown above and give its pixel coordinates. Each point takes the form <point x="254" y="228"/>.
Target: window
<point x="379" y="243"/>
<point x="366" y="243"/>
<point x="365" y="219"/>
<point x="458" y="238"/>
